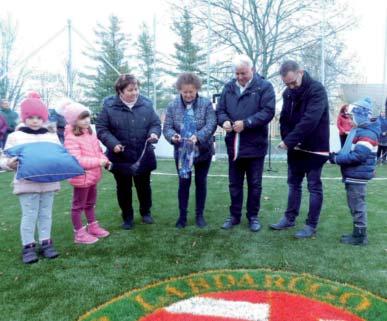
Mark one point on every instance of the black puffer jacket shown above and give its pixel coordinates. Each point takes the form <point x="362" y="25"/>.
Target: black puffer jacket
<point x="256" y="107"/>
<point x="117" y="124"/>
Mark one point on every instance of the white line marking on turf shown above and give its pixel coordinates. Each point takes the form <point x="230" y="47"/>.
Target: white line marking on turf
<point x="267" y="176"/>
<point x="221" y="308"/>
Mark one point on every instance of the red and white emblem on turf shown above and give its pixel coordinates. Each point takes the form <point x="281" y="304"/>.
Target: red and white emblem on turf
<point x="250" y="306"/>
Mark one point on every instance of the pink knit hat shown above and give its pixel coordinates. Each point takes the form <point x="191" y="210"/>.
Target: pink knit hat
<point x="71" y="110"/>
<point x="33" y="107"/>
<point x="33" y="94"/>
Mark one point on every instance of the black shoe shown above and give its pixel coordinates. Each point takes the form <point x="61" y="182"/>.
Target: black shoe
<point x="29" y="254"/>
<point x="358" y="237"/>
<point x="200" y="221"/>
<point x="181" y="223"/>
<point x="254" y="224"/>
<point x="147" y="219"/>
<point x="128" y="225"/>
<point x="283" y="224"/>
<point x="230" y="222"/>
<point x="48" y="250"/>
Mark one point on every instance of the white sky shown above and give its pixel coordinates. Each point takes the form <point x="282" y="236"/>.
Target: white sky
<point x="40" y="19"/>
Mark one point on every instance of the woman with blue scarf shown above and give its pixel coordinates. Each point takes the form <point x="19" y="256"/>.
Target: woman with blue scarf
<point x="189" y="125"/>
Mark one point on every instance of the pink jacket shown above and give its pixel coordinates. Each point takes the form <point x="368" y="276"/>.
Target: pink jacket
<point x="86" y="149"/>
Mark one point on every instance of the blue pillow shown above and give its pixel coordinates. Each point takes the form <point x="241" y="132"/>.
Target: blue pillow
<point x="44" y="162"/>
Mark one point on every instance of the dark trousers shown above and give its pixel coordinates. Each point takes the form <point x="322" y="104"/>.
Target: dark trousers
<point x="382" y="153"/>
<point x="296" y="175"/>
<point x="3" y="140"/>
<point x="201" y="172"/>
<point x="342" y="139"/>
<point x="253" y="169"/>
<point x="124" y="193"/>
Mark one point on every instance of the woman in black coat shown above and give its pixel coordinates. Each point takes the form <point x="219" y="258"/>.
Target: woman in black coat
<point x="127" y="125"/>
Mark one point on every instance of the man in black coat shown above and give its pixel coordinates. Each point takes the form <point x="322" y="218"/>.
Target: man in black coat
<point x="304" y="125"/>
<point x="126" y="122"/>
<point x="245" y="107"/>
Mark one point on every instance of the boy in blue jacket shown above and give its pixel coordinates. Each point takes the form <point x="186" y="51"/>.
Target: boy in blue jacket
<point x="357" y="159"/>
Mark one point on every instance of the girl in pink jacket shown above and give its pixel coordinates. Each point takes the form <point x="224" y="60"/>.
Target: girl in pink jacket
<point x="82" y="143"/>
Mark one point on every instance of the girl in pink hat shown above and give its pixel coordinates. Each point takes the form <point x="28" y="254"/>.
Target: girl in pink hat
<point x="82" y="143"/>
<point x="36" y="198"/>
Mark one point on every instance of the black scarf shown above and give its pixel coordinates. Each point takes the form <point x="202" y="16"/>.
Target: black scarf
<point x="297" y="93"/>
<point x="28" y="130"/>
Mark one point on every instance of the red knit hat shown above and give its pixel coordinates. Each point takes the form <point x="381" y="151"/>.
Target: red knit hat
<point x="33" y="107"/>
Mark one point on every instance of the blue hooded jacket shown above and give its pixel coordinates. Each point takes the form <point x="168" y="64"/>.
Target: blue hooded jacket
<point x="358" y="165"/>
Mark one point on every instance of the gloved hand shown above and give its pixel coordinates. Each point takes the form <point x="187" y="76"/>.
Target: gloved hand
<point x="332" y="158"/>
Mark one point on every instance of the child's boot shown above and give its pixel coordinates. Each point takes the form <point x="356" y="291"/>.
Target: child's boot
<point x="358" y="237"/>
<point x="97" y="231"/>
<point x="83" y="237"/>
<point x="29" y="254"/>
<point x="48" y="250"/>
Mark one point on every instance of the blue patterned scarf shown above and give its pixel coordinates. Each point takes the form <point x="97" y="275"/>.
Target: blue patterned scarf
<point x="187" y="150"/>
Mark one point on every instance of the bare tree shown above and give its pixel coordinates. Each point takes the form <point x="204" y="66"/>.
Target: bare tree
<point x="268" y="31"/>
<point x="12" y="77"/>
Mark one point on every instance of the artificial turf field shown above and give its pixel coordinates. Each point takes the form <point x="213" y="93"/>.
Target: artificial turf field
<point x="85" y="276"/>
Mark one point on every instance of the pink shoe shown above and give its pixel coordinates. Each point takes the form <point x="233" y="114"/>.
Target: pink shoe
<point x="83" y="237"/>
<point x="97" y="231"/>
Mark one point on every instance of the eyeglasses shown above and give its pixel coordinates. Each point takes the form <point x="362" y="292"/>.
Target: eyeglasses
<point x="294" y="83"/>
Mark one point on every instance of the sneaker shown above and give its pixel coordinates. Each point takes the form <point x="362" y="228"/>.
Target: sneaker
<point x="83" y="237"/>
<point x="47" y="250"/>
<point x="97" y="231"/>
<point x="230" y="222"/>
<point x="283" y="224"/>
<point x="306" y="232"/>
<point x="147" y="219"/>
<point x="29" y="254"/>
<point x="254" y="224"/>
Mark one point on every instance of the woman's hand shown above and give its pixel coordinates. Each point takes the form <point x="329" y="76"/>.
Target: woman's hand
<point x="153" y="138"/>
<point x="104" y="163"/>
<point x="118" y="148"/>
<point x="12" y="163"/>
<point x="176" y="139"/>
<point x="193" y="139"/>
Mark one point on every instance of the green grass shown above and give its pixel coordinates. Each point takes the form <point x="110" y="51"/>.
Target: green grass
<point x="86" y="276"/>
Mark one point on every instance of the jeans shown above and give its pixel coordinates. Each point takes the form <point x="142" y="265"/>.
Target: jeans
<point x="356" y="194"/>
<point x="295" y="177"/>
<point x="124" y="193"/>
<point x="253" y="169"/>
<point x="36" y="209"/>
<point x="84" y="199"/>
<point x="201" y="172"/>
